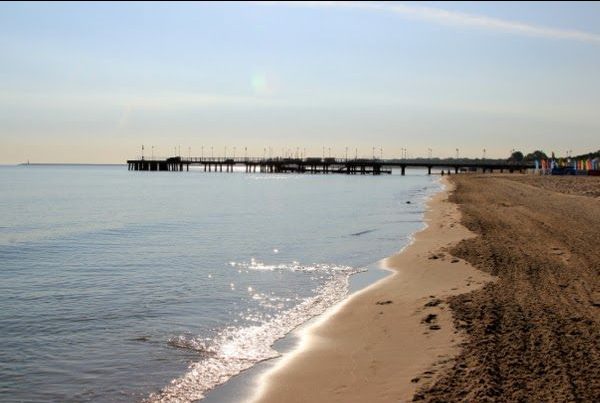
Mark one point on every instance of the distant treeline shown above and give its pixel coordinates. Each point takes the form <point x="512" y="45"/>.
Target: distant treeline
<point x="518" y="156"/>
<point x="590" y="156"/>
<point x="538" y="155"/>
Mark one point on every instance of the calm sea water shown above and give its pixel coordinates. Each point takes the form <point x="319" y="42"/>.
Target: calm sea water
<point x="128" y="286"/>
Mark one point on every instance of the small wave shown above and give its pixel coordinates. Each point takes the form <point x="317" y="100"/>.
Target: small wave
<point x="188" y="343"/>
<point x="272" y="177"/>
<point x="362" y="232"/>
<point x="254" y="264"/>
<point x="236" y="349"/>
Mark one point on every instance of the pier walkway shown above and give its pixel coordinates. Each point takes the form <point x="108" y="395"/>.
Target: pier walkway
<point x="322" y="165"/>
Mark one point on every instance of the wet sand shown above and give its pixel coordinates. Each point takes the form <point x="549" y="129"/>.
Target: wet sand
<point x="388" y="340"/>
<point x="533" y="335"/>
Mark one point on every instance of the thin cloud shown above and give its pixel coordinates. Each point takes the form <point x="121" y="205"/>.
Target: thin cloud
<point x="150" y="101"/>
<point x="453" y="18"/>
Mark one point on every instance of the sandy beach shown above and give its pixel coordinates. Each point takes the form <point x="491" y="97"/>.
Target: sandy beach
<point x="496" y="300"/>
<point x="533" y="335"/>
<point x="388" y="340"/>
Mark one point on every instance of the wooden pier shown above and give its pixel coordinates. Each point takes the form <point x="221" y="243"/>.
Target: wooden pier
<point x="323" y="165"/>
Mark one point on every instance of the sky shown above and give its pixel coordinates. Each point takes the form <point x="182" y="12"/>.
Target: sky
<point x="92" y="82"/>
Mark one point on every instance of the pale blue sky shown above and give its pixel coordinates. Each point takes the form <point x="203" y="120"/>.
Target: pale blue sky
<point x="92" y="82"/>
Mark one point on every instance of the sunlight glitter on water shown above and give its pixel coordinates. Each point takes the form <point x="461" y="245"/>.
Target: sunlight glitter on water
<point x="235" y="349"/>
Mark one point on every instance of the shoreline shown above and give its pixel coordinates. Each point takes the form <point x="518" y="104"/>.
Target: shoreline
<point x="242" y="387"/>
<point x="390" y="338"/>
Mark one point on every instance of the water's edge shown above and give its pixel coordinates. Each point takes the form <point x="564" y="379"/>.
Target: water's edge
<point x="242" y="387"/>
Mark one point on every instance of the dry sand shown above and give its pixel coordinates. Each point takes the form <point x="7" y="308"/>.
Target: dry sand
<point x="574" y="185"/>
<point x="533" y="335"/>
<point x="392" y="338"/>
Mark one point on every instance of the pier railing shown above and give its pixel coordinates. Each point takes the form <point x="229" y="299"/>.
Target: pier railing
<point x="373" y="166"/>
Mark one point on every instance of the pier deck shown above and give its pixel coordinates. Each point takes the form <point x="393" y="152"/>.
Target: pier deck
<point x="321" y="165"/>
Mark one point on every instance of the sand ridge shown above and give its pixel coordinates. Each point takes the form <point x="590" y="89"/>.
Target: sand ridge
<point x="392" y="338"/>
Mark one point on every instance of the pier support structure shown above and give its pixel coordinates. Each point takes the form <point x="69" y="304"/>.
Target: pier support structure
<point x="319" y="165"/>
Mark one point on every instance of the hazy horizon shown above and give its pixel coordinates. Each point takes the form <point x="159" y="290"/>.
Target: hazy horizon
<point x="92" y="82"/>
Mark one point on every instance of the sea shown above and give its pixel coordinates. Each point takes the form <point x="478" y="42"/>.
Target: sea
<point x="123" y="286"/>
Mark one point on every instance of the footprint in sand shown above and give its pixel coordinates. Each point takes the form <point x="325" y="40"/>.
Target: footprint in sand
<point x="433" y="302"/>
<point x="429" y="318"/>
